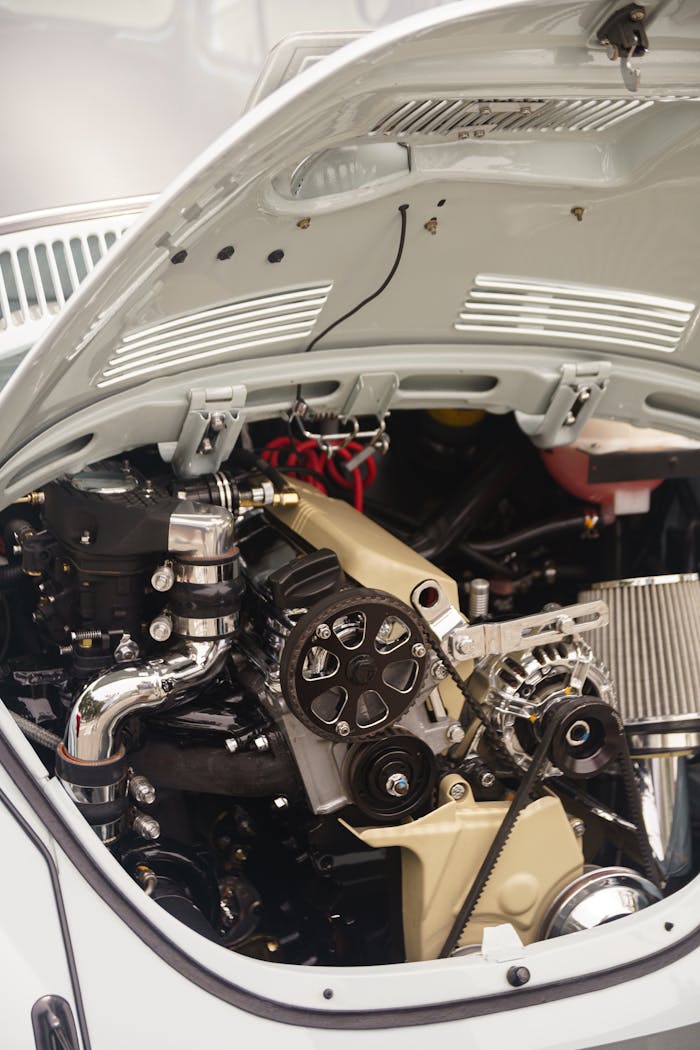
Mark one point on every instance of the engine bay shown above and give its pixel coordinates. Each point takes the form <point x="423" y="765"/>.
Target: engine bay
<point x="355" y="699"/>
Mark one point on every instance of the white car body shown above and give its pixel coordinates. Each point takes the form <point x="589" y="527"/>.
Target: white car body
<point x="75" y="925"/>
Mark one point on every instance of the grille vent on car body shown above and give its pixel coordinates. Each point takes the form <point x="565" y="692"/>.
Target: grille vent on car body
<point x="514" y="309"/>
<point x="217" y="332"/>
<point x="479" y="117"/>
<point x="41" y="267"/>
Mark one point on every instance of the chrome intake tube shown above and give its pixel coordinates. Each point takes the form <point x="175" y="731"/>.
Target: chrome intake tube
<point x="124" y="691"/>
<point x="205" y="595"/>
<point x="91" y="763"/>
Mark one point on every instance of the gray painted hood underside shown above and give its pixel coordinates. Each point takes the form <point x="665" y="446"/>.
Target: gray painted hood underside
<point x="551" y="247"/>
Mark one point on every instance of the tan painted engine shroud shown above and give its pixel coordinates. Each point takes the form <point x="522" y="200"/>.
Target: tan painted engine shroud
<point x="371" y="555"/>
<point x="441" y="854"/>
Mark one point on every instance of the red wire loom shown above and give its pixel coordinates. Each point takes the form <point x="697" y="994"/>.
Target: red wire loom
<point x="289" y="452"/>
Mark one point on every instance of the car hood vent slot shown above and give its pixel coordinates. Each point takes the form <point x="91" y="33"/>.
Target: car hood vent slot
<point x="470" y="117"/>
<point x="519" y="310"/>
<point x="220" y="332"/>
<point x="41" y="267"/>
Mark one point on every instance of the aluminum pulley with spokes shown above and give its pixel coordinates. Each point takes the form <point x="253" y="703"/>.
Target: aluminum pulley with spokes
<point x="353" y="664"/>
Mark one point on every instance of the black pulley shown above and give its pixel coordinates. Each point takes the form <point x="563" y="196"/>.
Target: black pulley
<point x="353" y="664"/>
<point x="392" y="778"/>
<point x="588" y="737"/>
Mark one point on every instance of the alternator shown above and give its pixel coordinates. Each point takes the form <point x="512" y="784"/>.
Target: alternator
<point x="519" y="690"/>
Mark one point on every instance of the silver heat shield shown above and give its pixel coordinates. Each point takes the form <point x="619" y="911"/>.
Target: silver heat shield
<point x="651" y="646"/>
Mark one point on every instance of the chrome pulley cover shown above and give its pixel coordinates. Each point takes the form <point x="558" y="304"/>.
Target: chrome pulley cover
<point x="598" y="896"/>
<point x="353" y="664"/>
<point x="520" y="689"/>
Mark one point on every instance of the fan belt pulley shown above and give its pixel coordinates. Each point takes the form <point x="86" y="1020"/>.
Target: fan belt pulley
<point x="353" y="664"/>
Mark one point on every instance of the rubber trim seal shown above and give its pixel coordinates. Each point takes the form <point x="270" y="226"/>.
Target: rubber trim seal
<point x="400" y="1017"/>
<point x="60" y="907"/>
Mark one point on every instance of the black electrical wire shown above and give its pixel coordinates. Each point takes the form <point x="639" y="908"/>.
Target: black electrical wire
<point x="403" y="208"/>
<point x="253" y="461"/>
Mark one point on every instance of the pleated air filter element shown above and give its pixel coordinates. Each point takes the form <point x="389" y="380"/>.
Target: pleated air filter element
<point x="652" y="648"/>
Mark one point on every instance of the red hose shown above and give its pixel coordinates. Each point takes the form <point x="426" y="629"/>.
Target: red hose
<point x="286" y="451"/>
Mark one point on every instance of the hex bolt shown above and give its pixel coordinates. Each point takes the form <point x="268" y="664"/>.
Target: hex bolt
<point x="463" y="646"/>
<point x="418" y="650"/>
<point x="217" y="422"/>
<point x="487" y="779"/>
<point x="145" y="826"/>
<point x="280" y="803"/>
<point x="163" y="578"/>
<point x="578" y="827"/>
<point x="342" y="728"/>
<point x="518" y="976"/>
<point x="455" y="734"/>
<point x="85" y="538"/>
<point x="439" y="671"/>
<point x="458" y="791"/>
<point x="261" y="743"/>
<point x="142" y="790"/>
<point x="397" y="785"/>
<point x="161" y="628"/>
<point x="323" y="631"/>
<point x="637" y="15"/>
<point x="231" y="745"/>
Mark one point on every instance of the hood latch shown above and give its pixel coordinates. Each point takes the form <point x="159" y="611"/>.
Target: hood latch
<point x="624" y="36"/>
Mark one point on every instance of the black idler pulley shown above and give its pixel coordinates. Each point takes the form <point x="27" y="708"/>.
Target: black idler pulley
<point x="392" y="778"/>
<point x="353" y="664"/>
<point x="588" y="737"/>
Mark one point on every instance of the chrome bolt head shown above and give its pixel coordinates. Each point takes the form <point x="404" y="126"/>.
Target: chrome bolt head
<point x="458" y="791"/>
<point x="323" y="631"/>
<point x="163" y="578"/>
<point x="261" y="743"/>
<point x="418" y="650"/>
<point x="142" y="790"/>
<point x="161" y="628"/>
<point x="342" y="728"/>
<point x="397" y="785"/>
<point x="439" y="671"/>
<point x="487" y="779"/>
<point x="231" y="745"/>
<point x="455" y="733"/>
<point x="86" y="538"/>
<point x="280" y="803"/>
<point x="145" y="826"/>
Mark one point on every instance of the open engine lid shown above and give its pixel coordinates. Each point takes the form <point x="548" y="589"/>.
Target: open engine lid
<point x="528" y="222"/>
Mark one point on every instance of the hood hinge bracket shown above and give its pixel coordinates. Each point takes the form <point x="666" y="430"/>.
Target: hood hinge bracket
<point x="581" y="386"/>
<point x="210" y="430"/>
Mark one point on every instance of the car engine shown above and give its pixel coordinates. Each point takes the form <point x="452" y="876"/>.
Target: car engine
<point x="326" y="733"/>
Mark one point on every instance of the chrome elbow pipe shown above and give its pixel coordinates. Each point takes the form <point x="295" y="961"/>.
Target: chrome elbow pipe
<point x="91" y="733"/>
<point x="201" y="531"/>
<point x="90" y="763"/>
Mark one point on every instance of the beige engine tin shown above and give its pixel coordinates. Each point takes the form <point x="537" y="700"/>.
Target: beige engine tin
<point x="441" y="854"/>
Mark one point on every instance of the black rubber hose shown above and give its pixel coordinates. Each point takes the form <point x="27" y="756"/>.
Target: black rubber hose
<point x="215" y="771"/>
<point x="462" y="514"/>
<point x="526" y="537"/>
<point x="487" y="564"/>
<point x="252" y="461"/>
<point x="37" y="733"/>
<point x="10" y="574"/>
